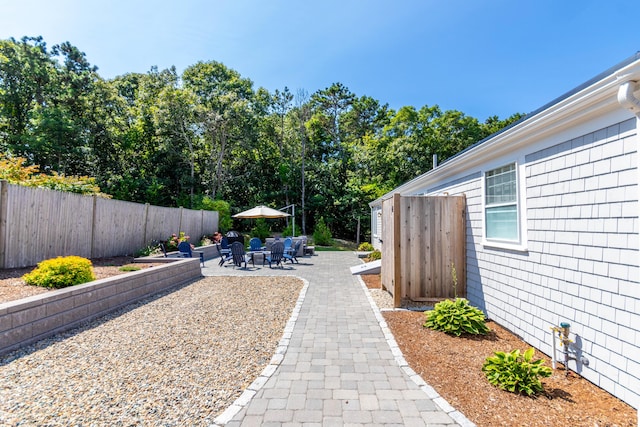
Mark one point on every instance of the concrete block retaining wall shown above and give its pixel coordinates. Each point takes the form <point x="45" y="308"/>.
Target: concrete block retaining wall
<point x="33" y="318"/>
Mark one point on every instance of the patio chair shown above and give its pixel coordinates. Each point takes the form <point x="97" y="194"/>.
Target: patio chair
<point x="238" y="254"/>
<point x="186" y="252"/>
<point x="275" y="256"/>
<point x="163" y="248"/>
<point x="292" y="255"/>
<point x="255" y="244"/>
<point x="288" y="242"/>
<point x="224" y="257"/>
<point x="224" y="245"/>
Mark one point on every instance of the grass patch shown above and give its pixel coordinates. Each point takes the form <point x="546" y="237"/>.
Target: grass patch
<point x="129" y="268"/>
<point x="329" y="248"/>
<point x="338" y="245"/>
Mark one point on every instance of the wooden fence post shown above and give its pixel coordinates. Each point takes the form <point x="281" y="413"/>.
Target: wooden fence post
<point x="93" y="225"/>
<point x="397" y="253"/>
<point x="4" y="195"/>
<point x="146" y="225"/>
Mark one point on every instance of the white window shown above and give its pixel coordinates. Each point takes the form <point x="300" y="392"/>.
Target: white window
<point x="501" y="204"/>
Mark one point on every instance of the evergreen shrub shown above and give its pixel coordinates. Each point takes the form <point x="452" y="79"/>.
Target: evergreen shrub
<point x="322" y="235"/>
<point x="61" y="272"/>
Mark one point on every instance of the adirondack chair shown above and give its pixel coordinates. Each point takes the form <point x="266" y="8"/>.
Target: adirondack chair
<point x="186" y="252"/>
<point x="275" y="256"/>
<point x="224" y="257"/>
<point x="288" y="242"/>
<point x="292" y="255"/>
<point x="224" y="245"/>
<point x="255" y="244"/>
<point x="238" y="254"/>
<point x="163" y="248"/>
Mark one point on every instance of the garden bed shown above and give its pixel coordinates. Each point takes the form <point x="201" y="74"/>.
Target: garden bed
<point x="42" y="314"/>
<point x="452" y="366"/>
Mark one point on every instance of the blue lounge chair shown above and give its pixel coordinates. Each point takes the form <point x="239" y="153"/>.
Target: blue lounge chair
<point x="255" y="244"/>
<point x="185" y="251"/>
<point x="224" y="245"/>
<point x="288" y="242"/>
<point x="275" y="256"/>
<point x="292" y="255"/>
<point x="238" y="254"/>
<point x="224" y="257"/>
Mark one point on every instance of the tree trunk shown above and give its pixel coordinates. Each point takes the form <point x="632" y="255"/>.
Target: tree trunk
<point x="304" y="225"/>
<point x="218" y="177"/>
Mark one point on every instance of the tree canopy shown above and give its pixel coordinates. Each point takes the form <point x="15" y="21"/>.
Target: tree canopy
<point x="208" y="135"/>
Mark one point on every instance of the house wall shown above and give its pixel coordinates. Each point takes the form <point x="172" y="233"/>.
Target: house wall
<point x="581" y="263"/>
<point x="376" y="227"/>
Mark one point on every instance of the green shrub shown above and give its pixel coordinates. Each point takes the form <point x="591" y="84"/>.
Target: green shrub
<point x="129" y="268"/>
<point x="225" y="221"/>
<point x="456" y="317"/>
<point x="61" y="272"/>
<point x="375" y="255"/>
<point x="365" y="247"/>
<point x="288" y="230"/>
<point x="322" y="234"/>
<point x="146" y="251"/>
<point x="515" y="372"/>
<point x="261" y="229"/>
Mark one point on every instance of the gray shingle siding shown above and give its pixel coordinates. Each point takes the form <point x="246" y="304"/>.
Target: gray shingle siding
<point x="581" y="263"/>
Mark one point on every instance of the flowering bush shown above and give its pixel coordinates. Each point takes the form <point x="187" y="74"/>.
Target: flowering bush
<point x="175" y="240"/>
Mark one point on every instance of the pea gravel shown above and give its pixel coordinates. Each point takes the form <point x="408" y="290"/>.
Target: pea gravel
<point x="180" y="358"/>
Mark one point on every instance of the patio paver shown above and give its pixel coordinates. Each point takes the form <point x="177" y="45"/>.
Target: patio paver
<point x="337" y="363"/>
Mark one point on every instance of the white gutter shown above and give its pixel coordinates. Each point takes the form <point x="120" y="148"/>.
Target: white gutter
<point x="626" y="97"/>
<point x="587" y="104"/>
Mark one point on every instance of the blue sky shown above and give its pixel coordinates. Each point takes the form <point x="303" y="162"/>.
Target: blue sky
<point x="483" y="58"/>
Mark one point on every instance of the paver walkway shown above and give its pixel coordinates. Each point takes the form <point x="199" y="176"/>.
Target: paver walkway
<point x="337" y="363"/>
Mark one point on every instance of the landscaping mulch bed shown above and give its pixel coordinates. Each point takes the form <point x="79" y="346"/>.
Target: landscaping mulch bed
<point x="452" y="366"/>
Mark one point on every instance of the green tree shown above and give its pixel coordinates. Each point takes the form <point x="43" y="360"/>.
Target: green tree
<point x="26" y="71"/>
<point x="224" y="114"/>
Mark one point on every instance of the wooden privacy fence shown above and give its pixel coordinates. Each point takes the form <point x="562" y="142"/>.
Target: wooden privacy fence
<point x="423" y="246"/>
<point x="38" y="224"/>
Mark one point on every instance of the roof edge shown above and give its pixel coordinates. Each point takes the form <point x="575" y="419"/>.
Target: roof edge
<point x="612" y="75"/>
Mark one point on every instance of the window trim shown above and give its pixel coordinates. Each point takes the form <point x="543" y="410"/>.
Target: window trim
<point x="521" y="243"/>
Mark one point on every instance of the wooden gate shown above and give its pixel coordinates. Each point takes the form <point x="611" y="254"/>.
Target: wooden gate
<point x="423" y="248"/>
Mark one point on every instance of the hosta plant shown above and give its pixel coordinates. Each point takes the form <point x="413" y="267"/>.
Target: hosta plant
<point x="516" y="372"/>
<point x="456" y="317"/>
<point x="61" y="272"/>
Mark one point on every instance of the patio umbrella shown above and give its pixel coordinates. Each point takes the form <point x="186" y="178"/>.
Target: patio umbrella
<point x="261" y="212"/>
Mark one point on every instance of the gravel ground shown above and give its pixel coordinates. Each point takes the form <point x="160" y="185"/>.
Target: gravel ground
<point x="180" y="358"/>
<point x="383" y="299"/>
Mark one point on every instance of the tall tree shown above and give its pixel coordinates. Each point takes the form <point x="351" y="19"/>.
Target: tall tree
<point x="281" y="106"/>
<point x="26" y="72"/>
<point x="62" y="134"/>
<point x="330" y="154"/>
<point x="175" y="120"/>
<point x="224" y="108"/>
